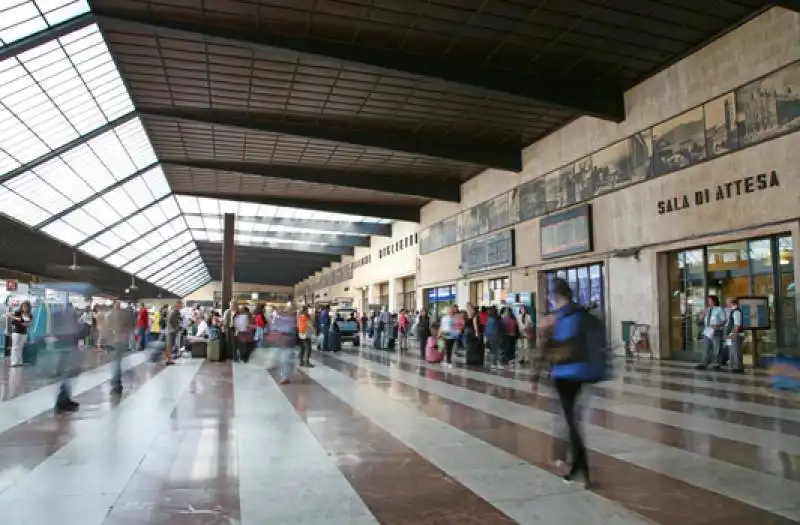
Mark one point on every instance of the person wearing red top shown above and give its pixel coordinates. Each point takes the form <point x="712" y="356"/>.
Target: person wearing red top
<point x="261" y="325"/>
<point x="142" y="322"/>
<point x="403" y="327"/>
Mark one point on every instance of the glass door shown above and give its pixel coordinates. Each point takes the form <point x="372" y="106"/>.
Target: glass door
<point x="687" y="297"/>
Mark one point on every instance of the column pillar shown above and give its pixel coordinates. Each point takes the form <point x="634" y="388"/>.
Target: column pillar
<point x="228" y="258"/>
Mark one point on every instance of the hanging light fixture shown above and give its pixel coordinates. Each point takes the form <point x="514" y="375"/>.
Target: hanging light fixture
<point x="133" y="284"/>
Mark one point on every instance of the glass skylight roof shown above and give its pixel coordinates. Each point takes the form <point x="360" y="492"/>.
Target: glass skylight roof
<point x="204" y="218"/>
<point x="105" y="195"/>
<point x="56" y="93"/>
<point x="21" y="18"/>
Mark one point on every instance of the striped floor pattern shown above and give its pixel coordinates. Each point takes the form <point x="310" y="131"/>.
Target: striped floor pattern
<point x="370" y="437"/>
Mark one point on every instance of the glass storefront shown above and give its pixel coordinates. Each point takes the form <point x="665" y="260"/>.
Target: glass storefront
<point x="437" y="300"/>
<point x="754" y="267"/>
<point x="586" y="283"/>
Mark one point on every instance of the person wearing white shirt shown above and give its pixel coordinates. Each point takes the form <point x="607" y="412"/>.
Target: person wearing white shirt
<point x="714" y="322"/>
<point x="735" y="332"/>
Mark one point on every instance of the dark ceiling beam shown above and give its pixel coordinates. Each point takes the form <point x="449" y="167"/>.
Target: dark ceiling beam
<point x="46" y="35"/>
<point x="589" y="97"/>
<point x="362" y="228"/>
<point x="68" y="146"/>
<point x="504" y="157"/>
<point x="93" y="196"/>
<point x="381" y="211"/>
<point x="396" y="183"/>
<point x="299" y="247"/>
<point x="792" y="5"/>
<point x="329" y="238"/>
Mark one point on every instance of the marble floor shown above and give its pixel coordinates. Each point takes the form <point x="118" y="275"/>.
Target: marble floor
<point x="370" y="437"/>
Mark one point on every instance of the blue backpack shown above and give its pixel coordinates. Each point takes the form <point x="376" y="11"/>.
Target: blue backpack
<point x="592" y="362"/>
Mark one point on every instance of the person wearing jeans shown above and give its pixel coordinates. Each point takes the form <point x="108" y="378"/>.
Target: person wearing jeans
<point x="20" y="321"/>
<point x="304" y="336"/>
<point x="714" y="322"/>
<point x="734" y="329"/>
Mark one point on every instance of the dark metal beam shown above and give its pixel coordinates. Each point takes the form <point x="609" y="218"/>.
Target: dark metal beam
<point x="117" y="223"/>
<point x="381" y="211"/>
<point x="42" y="37"/>
<point x="792" y="5"/>
<point x="68" y="146"/>
<point x="589" y="97"/>
<point x="93" y="196"/>
<point x="397" y="183"/>
<point x="506" y="157"/>
<point x="364" y="228"/>
<point x="329" y="238"/>
<point x="299" y="247"/>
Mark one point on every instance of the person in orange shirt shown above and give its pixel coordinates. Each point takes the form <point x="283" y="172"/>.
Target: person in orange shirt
<point x="304" y="335"/>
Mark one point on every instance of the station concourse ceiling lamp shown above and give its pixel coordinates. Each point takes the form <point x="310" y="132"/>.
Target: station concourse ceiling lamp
<point x="133" y="284"/>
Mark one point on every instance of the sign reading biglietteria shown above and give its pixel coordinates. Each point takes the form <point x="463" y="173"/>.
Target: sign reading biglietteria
<point x="721" y="192"/>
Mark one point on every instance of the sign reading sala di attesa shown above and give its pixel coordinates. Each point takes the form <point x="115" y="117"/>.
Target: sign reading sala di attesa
<point x="728" y="190"/>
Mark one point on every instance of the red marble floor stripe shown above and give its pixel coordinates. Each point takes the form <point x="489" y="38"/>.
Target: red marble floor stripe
<point x="28" y="444"/>
<point x="15" y="382"/>
<point x="397" y="484"/>
<point x="665" y="500"/>
<point x="732" y="451"/>
<point x="190" y="475"/>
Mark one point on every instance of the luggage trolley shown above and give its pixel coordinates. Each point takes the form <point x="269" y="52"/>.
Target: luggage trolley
<point x="638" y="341"/>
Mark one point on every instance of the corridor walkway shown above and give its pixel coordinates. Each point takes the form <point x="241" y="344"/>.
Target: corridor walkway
<point x="367" y="437"/>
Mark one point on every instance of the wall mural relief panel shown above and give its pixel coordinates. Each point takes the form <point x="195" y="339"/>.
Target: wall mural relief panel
<point x="552" y="191"/>
<point x="470" y="223"/>
<point x="720" y="118"/>
<point x="769" y="106"/>
<point x="763" y="109"/>
<point x="582" y="179"/>
<point x="679" y="142"/>
<point x="498" y="212"/>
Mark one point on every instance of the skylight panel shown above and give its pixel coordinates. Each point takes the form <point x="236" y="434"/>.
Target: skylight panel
<point x="84" y="222"/>
<point x="36" y="190"/>
<point x="195" y="222"/>
<point x="104" y="212"/>
<point x="47" y="102"/>
<point x="157" y="182"/>
<point x="63" y="232"/>
<point x="188" y="204"/>
<point x="111" y="240"/>
<point x="95" y="249"/>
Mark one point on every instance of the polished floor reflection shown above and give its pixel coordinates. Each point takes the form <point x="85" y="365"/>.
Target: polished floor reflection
<point x="371" y="437"/>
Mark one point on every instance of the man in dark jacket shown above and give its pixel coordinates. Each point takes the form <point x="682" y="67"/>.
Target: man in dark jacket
<point x="173" y="329"/>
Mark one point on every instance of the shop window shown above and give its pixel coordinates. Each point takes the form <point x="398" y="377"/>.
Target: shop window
<point x="476" y="290"/>
<point x="586" y="283"/>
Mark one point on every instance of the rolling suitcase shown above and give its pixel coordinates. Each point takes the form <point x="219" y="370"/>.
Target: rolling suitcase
<point x="475" y="353"/>
<point x="213" y="350"/>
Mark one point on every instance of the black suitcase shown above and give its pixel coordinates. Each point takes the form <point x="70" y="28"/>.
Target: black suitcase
<point x="390" y="343"/>
<point x="475" y="353"/>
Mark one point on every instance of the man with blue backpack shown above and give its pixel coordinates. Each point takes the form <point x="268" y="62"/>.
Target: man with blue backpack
<point x="576" y="349"/>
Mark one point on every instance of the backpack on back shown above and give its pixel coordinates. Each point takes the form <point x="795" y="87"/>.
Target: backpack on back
<point x="598" y="356"/>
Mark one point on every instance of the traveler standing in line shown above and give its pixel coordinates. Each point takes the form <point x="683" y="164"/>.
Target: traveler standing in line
<point x="567" y="336"/>
<point x="510" y="334"/>
<point x="261" y="325"/>
<point x="423" y="331"/>
<point x="119" y="327"/>
<point x="450" y="334"/>
<point x="304" y="335"/>
<point x="244" y="334"/>
<point x="403" y="326"/>
<point x="142" y="320"/>
<point x="528" y="336"/>
<point x="174" y="326"/>
<point x="714" y="322"/>
<point x="325" y="326"/>
<point x="87" y="320"/>
<point x="20" y="322"/>
<point x="493" y="333"/>
<point x="283" y="334"/>
<point x="162" y="322"/>
<point x="229" y="330"/>
<point x="364" y="328"/>
<point x="734" y="331"/>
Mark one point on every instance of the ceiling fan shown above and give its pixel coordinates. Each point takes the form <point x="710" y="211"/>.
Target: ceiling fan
<point x="73" y="268"/>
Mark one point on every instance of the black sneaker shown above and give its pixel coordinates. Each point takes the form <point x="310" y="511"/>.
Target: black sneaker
<point x="577" y="480"/>
<point x="715" y="368"/>
<point x="67" y="406"/>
